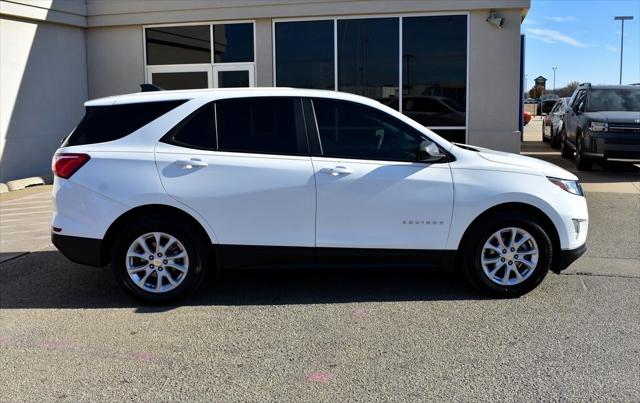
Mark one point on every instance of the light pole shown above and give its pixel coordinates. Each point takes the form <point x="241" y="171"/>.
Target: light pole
<point x="622" y="18"/>
<point x="554" y="78"/>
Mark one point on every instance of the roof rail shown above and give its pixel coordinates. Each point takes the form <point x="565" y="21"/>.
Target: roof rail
<point x="150" y="87"/>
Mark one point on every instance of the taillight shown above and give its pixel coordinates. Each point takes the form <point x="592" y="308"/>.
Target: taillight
<point x="64" y="165"/>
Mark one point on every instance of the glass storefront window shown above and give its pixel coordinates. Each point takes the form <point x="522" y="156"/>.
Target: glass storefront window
<point x="434" y="76"/>
<point x="181" y="80"/>
<point x="233" y="43"/>
<point x="304" y="54"/>
<point x="178" y="45"/>
<point x="368" y="57"/>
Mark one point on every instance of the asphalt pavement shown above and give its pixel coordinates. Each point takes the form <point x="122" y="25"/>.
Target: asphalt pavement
<point x="67" y="332"/>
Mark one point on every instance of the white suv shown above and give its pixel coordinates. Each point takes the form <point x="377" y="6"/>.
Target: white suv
<point x="168" y="185"/>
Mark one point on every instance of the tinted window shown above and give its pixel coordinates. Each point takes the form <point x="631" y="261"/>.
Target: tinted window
<point x="627" y="100"/>
<point x="233" y="43"/>
<point x="350" y="130"/>
<point x="233" y="79"/>
<point x="178" y="45"/>
<point x="258" y="125"/>
<point x="196" y="131"/>
<point x="304" y="54"/>
<point x="434" y="57"/>
<point x="368" y="57"/>
<point x="181" y="80"/>
<point x="108" y="123"/>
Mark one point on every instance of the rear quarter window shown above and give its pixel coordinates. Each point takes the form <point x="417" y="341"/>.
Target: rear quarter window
<point x="111" y="122"/>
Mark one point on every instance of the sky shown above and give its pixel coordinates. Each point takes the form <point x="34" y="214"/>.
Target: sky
<point x="581" y="39"/>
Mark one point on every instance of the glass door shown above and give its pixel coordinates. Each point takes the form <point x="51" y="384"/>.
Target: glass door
<point x="233" y="76"/>
<point x="180" y="77"/>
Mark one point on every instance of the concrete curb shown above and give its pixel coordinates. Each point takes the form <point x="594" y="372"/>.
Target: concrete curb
<point x="23" y="183"/>
<point x="3" y="188"/>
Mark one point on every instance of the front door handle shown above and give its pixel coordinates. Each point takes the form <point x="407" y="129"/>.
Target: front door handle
<point x="189" y="164"/>
<point x="338" y="170"/>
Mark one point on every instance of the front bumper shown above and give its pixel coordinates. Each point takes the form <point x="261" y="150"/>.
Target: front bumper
<point x="568" y="256"/>
<point x="87" y="251"/>
<point x="613" y="145"/>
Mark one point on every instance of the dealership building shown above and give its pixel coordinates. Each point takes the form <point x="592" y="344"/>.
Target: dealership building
<point x="454" y="66"/>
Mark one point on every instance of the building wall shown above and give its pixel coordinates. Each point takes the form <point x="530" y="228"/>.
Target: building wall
<point x="115" y="60"/>
<point x="494" y="82"/>
<point x="43" y="84"/>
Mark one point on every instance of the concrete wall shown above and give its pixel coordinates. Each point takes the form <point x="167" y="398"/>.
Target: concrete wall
<point x="494" y="81"/>
<point x="115" y="59"/>
<point x="43" y="84"/>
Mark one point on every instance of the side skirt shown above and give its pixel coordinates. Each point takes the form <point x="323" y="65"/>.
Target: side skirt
<point x="248" y="256"/>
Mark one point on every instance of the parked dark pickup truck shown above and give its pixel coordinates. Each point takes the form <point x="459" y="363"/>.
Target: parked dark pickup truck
<point x="601" y="123"/>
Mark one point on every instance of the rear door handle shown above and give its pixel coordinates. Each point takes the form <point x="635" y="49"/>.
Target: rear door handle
<point x="189" y="164"/>
<point x="338" y="170"/>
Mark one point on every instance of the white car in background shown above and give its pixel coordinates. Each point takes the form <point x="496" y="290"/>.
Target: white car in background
<point x="167" y="185"/>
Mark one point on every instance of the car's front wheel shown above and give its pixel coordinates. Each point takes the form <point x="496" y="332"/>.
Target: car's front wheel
<point x="507" y="255"/>
<point x="159" y="260"/>
<point x="583" y="163"/>
<point x="565" y="150"/>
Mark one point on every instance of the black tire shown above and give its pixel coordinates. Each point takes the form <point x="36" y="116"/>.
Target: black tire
<point x="473" y="250"/>
<point x="544" y="138"/>
<point x="583" y="163"/>
<point x="565" y="150"/>
<point x="555" y="140"/>
<point x="193" y="244"/>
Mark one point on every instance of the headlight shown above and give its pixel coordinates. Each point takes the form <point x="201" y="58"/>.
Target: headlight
<point x="572" y="187"/>
<point x="598" y="126"/>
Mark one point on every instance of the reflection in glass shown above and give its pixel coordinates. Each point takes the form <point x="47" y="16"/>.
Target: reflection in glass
<point x="454" y="136"/>
<point x="233" y="79"/>
<point x="304" y="54"/>
<point x="178" y="45"/>
<point x="368" y="57"/>
<point x="233" y="43"/>
<point x="434" y="56"/>
<point x="181" y="81"/>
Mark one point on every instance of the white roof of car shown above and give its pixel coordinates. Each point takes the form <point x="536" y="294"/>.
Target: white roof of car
<point x="220" y="93"/>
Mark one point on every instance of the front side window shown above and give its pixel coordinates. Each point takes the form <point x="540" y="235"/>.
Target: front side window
<point x="265" y="125"/>
<point x="196" y="130"/>
<point x="349" y="130"/>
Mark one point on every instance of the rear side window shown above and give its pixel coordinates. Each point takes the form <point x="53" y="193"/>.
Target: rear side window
<point x="264" y="125"/>
<point x="112" y="122"/>
<point x="196" y="130"/>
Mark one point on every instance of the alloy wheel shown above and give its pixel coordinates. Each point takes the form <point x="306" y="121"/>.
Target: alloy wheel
<point x="509" y="256"/>
<point x="157" y="262"/>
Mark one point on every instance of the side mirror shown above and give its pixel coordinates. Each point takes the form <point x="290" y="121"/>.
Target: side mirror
<point x="429" y="152"/>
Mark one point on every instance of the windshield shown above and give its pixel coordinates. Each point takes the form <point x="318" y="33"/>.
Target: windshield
<point x="624" y="100"/>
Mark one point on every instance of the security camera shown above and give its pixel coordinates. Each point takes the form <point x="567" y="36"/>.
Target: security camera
<point x="494" y="20"/>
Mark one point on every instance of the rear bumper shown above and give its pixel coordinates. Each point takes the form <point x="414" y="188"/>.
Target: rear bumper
<point x="568" y="256"/>
<point x="87" y="251"/>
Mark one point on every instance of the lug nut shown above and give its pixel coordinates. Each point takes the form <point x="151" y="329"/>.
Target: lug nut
<point x="151" y="266"/>
<point x="516" y="256"/>
<point x="151" y="257"/>
<point x="159" y="254"/>
<point x="512" y="249"/>
<point x="159" y="268"/>
<point x="502" y="260"/>
<point x="510" y="263"/>
<point x="165" y="261"/>
<point x="504" y="251"/>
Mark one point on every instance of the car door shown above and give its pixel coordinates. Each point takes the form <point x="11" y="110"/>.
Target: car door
<point x="243" y="164"/>
<point x="371" y="190"/>
<point x="572" y="116"/>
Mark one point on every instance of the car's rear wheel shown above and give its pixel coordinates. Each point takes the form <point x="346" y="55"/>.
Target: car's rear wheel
<point x="159" y="260"/>
<point x="555" y="139"/>
<point x="565" y="150"/>
<point x="583" y="163"/>
<point x="507" y="255"/>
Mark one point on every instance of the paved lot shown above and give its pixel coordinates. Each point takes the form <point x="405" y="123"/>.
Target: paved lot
<point x="67" y="332"/>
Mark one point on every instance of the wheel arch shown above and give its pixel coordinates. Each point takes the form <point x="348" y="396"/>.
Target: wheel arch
<point x="146" y="210"/>
<point x="544" y="220"/>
